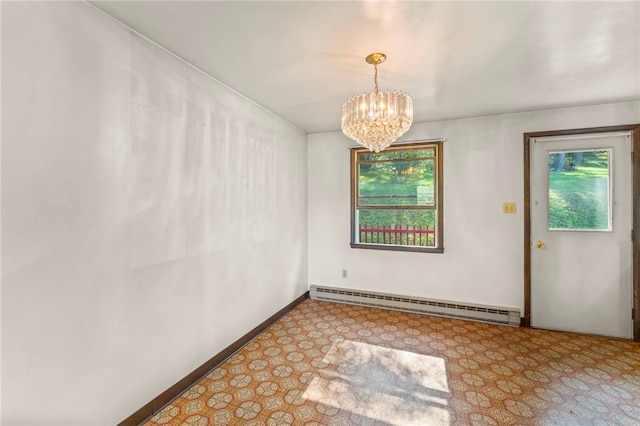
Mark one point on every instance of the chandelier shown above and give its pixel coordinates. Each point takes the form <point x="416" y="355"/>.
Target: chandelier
<point x="375" y="120"/>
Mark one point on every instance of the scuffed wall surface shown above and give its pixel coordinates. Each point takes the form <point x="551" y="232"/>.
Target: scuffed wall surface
<point x="150" y="216"/>
<point x="483" y="261"/>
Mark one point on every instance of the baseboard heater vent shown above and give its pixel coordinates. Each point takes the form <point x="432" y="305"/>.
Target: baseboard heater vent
<point x="483" y="313"/>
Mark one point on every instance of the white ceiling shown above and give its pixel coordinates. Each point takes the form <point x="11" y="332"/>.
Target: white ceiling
<point x="303" y="59"/>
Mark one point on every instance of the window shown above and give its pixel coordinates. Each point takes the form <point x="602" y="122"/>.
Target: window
<point x="396" y="198"/>
<point x="579" y="190"/>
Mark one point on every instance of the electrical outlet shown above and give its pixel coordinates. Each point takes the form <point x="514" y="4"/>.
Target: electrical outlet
<point x="344" y="273"/>
<point x="509" y="208"/>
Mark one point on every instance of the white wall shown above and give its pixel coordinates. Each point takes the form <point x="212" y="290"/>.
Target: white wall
<point x="150" y="216"/>
<point x="483" y="260"/>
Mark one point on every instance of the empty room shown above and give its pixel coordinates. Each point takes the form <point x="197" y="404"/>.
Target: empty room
<point x="320" y="213"/>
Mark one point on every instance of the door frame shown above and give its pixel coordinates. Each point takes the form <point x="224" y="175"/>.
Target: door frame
<point x="635" y="236"/>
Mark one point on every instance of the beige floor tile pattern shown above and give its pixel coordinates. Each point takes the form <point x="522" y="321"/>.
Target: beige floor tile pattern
<point x="332" y="364"/>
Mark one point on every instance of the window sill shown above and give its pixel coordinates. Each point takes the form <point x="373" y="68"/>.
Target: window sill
<point x="398" y="248"/>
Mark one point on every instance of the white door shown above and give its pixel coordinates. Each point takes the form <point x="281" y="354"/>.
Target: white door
<point x="581" y="220"/>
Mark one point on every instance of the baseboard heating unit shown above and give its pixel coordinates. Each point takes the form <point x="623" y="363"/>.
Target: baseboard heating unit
<point x="482" y="313"/>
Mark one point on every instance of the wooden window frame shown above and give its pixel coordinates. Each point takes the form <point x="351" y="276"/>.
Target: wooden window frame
<point x="439" y="236"/>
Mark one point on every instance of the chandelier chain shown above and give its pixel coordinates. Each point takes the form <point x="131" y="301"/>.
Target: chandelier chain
<point x="375" y="76"/>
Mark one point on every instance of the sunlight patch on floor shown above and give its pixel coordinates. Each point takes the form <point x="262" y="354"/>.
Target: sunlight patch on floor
<point x="384" y="384"/>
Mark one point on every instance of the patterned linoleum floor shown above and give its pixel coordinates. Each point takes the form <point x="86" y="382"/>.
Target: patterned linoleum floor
<point x="333" y="364"/>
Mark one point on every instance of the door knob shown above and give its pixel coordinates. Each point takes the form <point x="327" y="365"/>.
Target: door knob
<point x="540" y="244"/>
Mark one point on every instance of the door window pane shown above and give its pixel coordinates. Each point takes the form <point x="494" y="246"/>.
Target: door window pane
<point x="579" y="190"/>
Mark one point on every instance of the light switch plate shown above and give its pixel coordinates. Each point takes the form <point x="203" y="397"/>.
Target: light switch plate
<point x="509" y="208"/>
